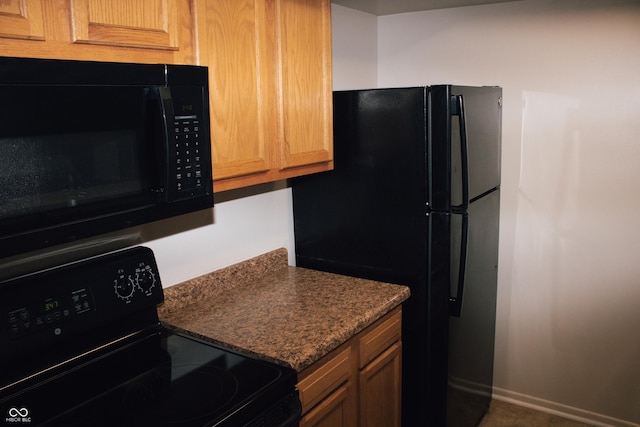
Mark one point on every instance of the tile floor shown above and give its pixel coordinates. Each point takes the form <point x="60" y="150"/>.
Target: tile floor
<point x="502" y="414"/>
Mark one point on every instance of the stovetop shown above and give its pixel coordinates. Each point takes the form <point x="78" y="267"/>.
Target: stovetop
<point x="164" y="379"/>
<point x="83" y="346"/>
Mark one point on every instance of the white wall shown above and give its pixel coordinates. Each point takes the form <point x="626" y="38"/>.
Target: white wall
<point x="568" y="333"/>
<point x="354" y="49"/>
<point x="244" y="225"/>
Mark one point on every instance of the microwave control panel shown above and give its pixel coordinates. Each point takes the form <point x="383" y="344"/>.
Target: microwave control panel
<point x="189" y="174"/>
<point x="189" y="142"/>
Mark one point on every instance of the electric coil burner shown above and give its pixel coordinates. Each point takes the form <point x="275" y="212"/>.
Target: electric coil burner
<point x="82" y="345"/>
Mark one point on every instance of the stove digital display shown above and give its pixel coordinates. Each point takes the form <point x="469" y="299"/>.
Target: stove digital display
<point x="48" y="313"/>
<point x="51" y="304"/>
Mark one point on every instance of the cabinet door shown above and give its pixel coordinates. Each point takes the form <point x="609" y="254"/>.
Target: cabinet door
<point x="150" y="31"/>
<point x="131" y="23"/>
<point x="270" y="88"/>
<point x="304" y="35"/>
<point x="334" y="411"/>
<point x="380" y="389"/>
<point x="21" y="19"/>
<point x="234" y="43"/>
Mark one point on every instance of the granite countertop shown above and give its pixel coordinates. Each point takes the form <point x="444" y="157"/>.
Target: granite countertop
<point x="288" y="315"/>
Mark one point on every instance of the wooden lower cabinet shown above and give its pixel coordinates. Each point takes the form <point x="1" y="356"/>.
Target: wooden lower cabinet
<point x="359" y="383"/>
<point x="328" y="390"/>
<point x="335" y="410"/>
<point x="379" y="389"/>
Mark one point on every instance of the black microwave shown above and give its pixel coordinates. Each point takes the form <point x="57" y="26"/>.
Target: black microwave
<point x="92" y="147"/>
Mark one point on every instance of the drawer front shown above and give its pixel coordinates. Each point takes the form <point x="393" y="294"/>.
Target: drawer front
<point x="324" y="380"/>
<point x="380" y="336"/>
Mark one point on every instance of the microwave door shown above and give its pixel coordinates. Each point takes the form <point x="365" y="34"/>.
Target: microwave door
<point x="119" y="145"/>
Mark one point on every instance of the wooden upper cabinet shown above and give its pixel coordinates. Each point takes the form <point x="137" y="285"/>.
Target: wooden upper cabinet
<point x="134" y="23"/>
<point x="21" y="19"/>
<point x="270" y="88"/>
<point x="155" y="31"/>
<point x="305" y="66"/>
<point x="233" y="41"/>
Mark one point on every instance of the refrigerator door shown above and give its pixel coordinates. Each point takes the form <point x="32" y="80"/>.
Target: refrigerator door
<point x="471" y="332"/>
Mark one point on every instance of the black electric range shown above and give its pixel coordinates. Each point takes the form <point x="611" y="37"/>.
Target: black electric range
<point x="82" y="345"/>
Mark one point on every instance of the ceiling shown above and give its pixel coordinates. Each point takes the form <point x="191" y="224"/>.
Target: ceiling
<point x="389" y="7"/>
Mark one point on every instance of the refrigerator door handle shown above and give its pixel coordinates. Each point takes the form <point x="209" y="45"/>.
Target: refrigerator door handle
<point x="457" y="109"/>
<point x="455" y="302"/>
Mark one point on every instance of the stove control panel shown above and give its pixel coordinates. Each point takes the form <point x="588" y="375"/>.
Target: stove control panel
<point x="49" y="312"/>
<point x="81" y="299"/>
<point x="139" y="281"/>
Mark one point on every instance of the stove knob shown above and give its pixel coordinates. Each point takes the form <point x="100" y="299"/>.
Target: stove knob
<point x="145" y="279"/>
<point x="124" y="288"/>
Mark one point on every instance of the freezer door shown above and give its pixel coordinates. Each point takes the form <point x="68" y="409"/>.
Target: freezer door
<point x="465" y="143"/>
<point x="475" y="126"/>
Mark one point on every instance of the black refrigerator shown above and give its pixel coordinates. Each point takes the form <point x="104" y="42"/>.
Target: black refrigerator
<point x="414" y="200"/>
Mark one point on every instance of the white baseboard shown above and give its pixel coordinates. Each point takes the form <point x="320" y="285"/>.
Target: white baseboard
<point x="561" y="410"/>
